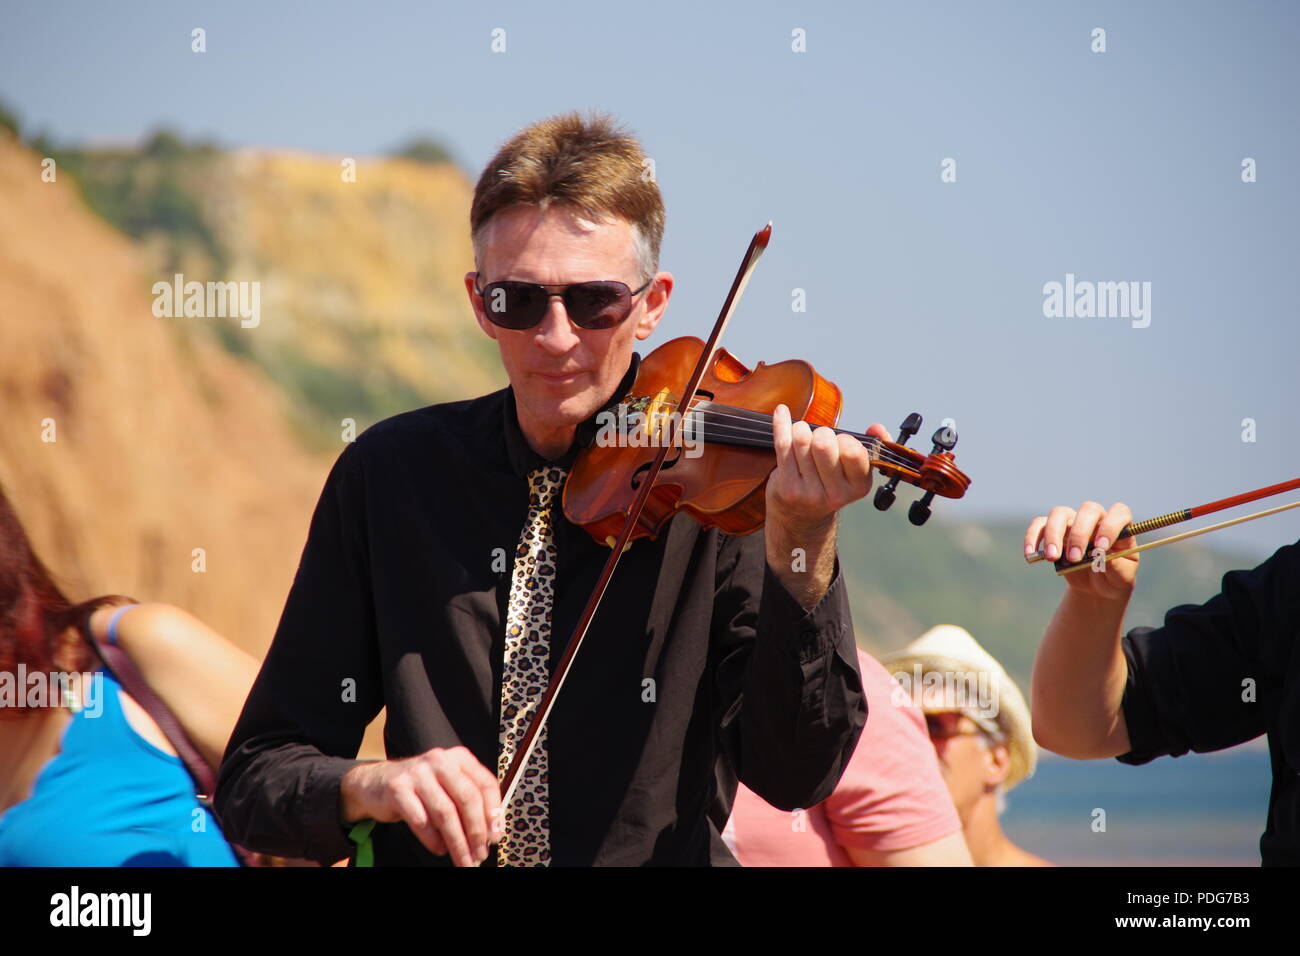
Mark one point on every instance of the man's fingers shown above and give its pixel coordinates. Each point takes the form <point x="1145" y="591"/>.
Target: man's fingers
<point x="490" y="790"/>
<point x="829" y="470"/>
<point x="443" y="814"/>
<point x="449" y="800"/>
<point x="411" y="809"/>
<point x="801" y="454"/>
<point x="855" y="466"/>
<point x="824" y="452"/>
<point x="849" y="478"/>
<point x="467" y="796"/>
<point x="781" y="439"/>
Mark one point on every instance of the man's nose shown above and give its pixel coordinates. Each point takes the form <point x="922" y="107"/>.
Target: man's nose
<point x="555" y="333"/>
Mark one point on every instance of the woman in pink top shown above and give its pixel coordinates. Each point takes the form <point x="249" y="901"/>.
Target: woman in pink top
<point x="891" y="807"/>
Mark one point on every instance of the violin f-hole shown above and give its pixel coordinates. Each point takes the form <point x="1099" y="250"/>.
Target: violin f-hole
<point x="635" y="481"/>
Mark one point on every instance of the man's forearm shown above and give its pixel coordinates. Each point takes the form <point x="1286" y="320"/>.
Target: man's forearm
<point x="803" y="560"/>
<point x="1079" y="678"/>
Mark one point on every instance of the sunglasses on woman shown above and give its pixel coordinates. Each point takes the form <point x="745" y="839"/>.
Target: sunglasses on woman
<point x="948" y="724"/>
<point x="590" y="305"/>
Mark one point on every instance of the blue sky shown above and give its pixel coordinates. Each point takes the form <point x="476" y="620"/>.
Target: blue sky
<point x="922" y="295"/>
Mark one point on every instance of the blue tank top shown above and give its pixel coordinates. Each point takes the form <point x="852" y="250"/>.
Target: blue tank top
<point x="111" y="798"/>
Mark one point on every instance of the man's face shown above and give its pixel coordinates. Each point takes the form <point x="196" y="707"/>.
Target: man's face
<point x="561" y="373"/>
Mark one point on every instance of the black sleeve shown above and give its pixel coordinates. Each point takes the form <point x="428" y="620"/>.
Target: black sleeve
<point x="319" y="687"/>
<point x="1211" y="677"/>
<point x="791" y="696"/>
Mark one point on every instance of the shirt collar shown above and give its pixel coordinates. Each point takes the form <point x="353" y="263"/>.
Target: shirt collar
<point x="520" y="454"/>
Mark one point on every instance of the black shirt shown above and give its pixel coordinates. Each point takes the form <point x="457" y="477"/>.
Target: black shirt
<point x="399" y="601"/>
<point x="1224" y="672"/>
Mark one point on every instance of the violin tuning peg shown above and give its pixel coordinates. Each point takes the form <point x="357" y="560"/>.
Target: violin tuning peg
<point x="911" y="425"/>
<point x="919" y="512"/>
<point x="885" y="495"/>
<point x="945" y="439"/>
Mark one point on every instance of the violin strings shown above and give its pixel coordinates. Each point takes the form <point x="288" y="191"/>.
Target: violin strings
<point x="758" y="418"/>
<point x="701" y="407"/>
<point x="704" y="411"/>
<point x="704" y="407"/>
<point x="714" y="431"/>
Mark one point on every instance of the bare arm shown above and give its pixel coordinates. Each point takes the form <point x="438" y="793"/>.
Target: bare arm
<point x="200" y="676"/>
<point x="1080" y="671"/>
<point x="945" y="851"/>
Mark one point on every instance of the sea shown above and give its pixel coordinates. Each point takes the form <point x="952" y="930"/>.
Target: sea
<point x="1194" y="810"/>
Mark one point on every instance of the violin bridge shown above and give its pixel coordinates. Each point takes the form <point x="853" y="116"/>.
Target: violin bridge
<point x="657" y="411"/>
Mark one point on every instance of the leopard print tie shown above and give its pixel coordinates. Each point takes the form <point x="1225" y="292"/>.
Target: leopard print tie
<point x="526" y="840"/>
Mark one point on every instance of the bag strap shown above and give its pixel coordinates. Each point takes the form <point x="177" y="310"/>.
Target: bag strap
<point x="119" y="664"/>
<point x="133" y="683"/>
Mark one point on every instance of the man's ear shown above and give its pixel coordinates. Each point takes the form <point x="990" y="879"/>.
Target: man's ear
<point x="656" y="301"/>
<point x="475" y="303"/>
<point x="997" y="764"/>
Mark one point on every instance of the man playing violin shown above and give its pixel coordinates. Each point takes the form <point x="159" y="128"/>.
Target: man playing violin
<point x="712" y="658"/>
<point x="1212" y="676"/>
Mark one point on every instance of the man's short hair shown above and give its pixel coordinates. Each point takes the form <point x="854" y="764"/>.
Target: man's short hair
<point x="589" y="165"/>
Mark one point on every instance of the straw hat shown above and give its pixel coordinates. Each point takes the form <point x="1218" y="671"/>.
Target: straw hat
<point x="949" y="649"/>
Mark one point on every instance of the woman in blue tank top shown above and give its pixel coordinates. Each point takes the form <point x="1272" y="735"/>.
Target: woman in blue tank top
<point x="87" y="778"/>
<point x="111" y="798"/>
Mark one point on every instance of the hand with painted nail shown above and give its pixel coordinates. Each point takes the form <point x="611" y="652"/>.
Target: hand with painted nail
<point x="1075" y="534"/>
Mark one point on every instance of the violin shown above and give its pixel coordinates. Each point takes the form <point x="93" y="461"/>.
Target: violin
<point x="722" y="448"/>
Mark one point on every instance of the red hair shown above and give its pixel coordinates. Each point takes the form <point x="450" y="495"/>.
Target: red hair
<point x="38" y="625"/>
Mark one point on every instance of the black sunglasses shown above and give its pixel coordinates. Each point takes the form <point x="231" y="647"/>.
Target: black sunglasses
<point x="590" y="305"/>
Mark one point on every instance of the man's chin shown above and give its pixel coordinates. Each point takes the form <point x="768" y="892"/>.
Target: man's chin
<point x="558" y="409"/>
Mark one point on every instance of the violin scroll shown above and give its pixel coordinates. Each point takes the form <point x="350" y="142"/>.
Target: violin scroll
<point x="935" y="473"/>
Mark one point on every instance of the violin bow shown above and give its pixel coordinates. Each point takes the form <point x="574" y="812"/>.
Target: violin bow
<point x="511" y="779"/>
<point x="1184" y="514"/>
